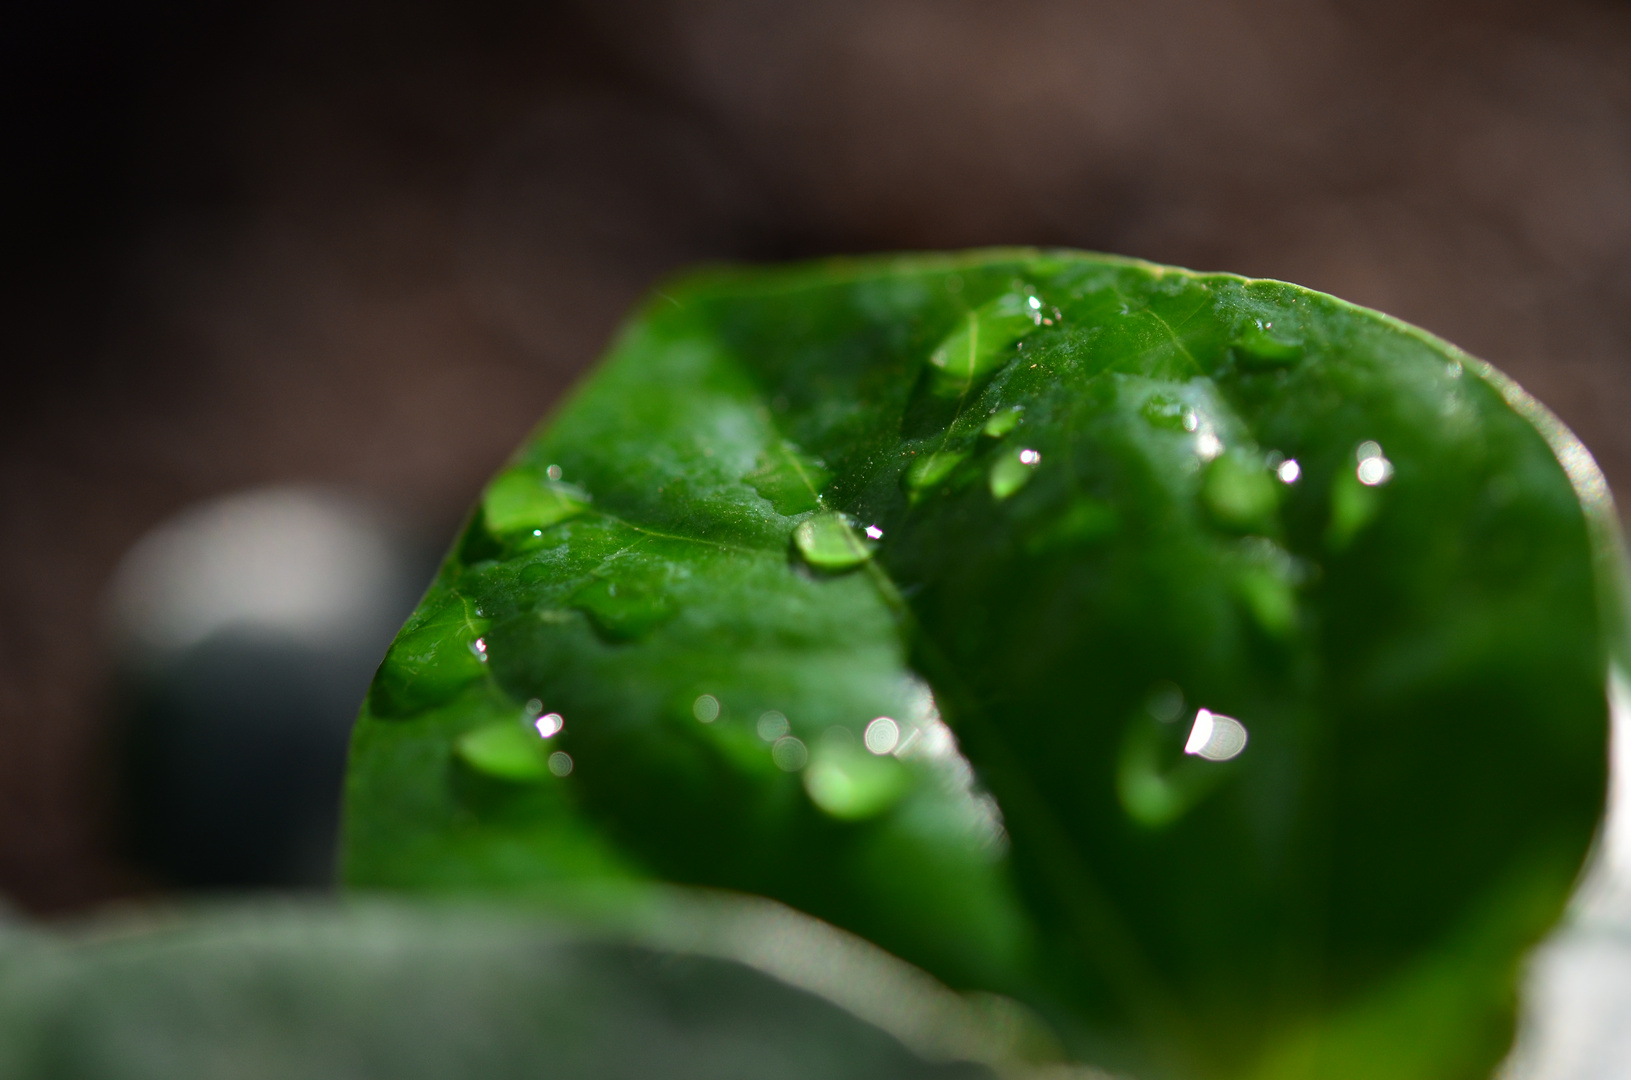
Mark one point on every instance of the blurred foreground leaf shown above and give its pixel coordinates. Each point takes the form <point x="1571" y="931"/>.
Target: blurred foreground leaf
<point x="707" y="989"/>
<point x="1214" y="665"/>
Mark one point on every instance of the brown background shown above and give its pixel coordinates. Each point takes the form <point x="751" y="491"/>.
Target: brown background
<point x="369" y="244"/>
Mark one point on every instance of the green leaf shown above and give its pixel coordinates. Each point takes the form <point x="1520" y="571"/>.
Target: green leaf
<point x="689" y="987"/>
<point x="1373" y="588"/>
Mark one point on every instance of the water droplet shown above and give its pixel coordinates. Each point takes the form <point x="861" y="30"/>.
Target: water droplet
<point x="981" y="342"/>
<point x="1208" y="445"/>
<point x="1002" y="422"/>
<point x="1264" y="347"/>
<point x="625" y="608"/>
<point x="531" y="709"/>
<point x="1453" y="369"/>
<point x="549" y="725"/>
<point x="873" y="532"/>
<point x="1374" y="471"/>
<point x="507" y="751"/>
<point x="1288" y="471"/>
<point x="560" y="763"/>
<point x="931" y="469"/>
<point x="789" y="754"/>
<point x="882" y="735"/>
<point x="1215" y="737"/>
<point x="1240" y="493"/>
<point x="828" y="542"/>
<point x="431" y="662"/>
<point x="1167" y="412"/>
<point x="772" y="725"/>
<point x="790" y="480"/>
<point x="520" y="502"/>
<point x="479" y="648"/>
<point x="705" y="708"/>
<point x="1191" y="420"/>
<point x="553" y="472"/>
<point x="1012" y="471"/>
<point x="851" y="785"/>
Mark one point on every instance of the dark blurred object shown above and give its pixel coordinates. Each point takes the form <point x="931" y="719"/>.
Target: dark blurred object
<point x="368" y="244"/>
<point x="247" y="629"/>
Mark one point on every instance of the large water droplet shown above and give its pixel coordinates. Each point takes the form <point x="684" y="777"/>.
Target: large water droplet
<point x="430" y="663"/>
<point x="1263" y="346"/>
<point x="851" y="784"/>
<point x="829" y="542"/>
<point x="624" y="609"/>
<point x="523" y="501"/>
<point x="791" y="481"/>
<point x="508" y="751"/>
<point x="981" y="342"/>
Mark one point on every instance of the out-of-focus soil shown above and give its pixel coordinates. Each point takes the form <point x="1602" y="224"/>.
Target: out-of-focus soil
<point x="370" y="244"/>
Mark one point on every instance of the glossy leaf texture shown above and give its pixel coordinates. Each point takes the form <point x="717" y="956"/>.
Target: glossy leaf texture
<point x="1214" y="665"/>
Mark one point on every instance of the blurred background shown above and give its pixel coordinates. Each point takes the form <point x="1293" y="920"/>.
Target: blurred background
<point x="286" y="282"/>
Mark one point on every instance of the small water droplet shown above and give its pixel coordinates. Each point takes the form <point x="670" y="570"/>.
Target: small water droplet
<point x="531" y="709"/>
<point x="1012" y="471"/>
<point x="772" y="725"/>
<point x="549" y="725"/>
<point x="882" y="735"/>
<point x="1288" y="471"/>
<point x="705" y="708"/>
<point x="1453" y="369"/>
<point x="1002" y="422"/>
<point x="1215" y="737"/>
<point x="828" y="542"/>
<point x="1191" y="420"/>
<point x="479" y="647"/>
<point x="560" y="763"/>
<point x="873" y="532"/>
<point x="789" y="754"/>
<point x="1208" y="445"/>
<point x="553" y="472"/>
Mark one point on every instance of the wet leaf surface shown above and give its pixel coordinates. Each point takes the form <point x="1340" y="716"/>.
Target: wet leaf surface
<point x="1380" y="584"/>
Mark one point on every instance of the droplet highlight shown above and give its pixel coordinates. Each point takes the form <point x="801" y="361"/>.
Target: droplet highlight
<point x="772" y="725"/>
<point x="882" y="735"/>
<point x="1215" y="737"/>
<point x="705" y="708"/>
<point x="789" y="754"/>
